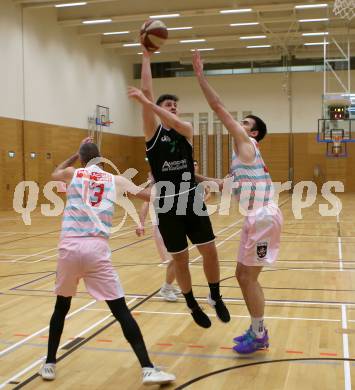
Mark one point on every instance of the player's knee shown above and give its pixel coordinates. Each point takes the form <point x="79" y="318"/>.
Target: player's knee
<point x="242" y="277"/>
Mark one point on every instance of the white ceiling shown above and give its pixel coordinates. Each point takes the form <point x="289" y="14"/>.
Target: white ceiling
<point x="278" y="20"/>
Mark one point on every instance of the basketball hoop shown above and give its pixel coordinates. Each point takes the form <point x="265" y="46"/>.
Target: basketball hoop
<point x="107" y="123"/>
<point x="344" y="8"/>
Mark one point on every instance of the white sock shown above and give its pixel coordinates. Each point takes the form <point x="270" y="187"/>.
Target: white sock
<point x="167" y="286"/>
<point x="257" y="324"/>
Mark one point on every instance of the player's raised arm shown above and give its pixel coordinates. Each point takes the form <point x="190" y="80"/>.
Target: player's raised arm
<point x="150" y="122"/>
<point x="241" y="139"/>
<point x="168" y="118"/>
<point x="65" y="171"/>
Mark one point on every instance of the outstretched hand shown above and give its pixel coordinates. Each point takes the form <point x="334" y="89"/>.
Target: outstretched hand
<point x="197" y="63"/>
<point x="137" y="94"/>
<point x="87" y="140"/>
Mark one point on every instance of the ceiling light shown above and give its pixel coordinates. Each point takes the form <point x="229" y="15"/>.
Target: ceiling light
<point x="313" y="20"/>
<point x="254" y="37"/>
<point x="314" y="34"/>
<point x="97" y="21"/>
<point x="258" y="46"/>
<point x="164" y="16"/>
<point x="116" y="33"/>
<point x="244" y="24"/>
<point x="179" y="28"/>
<point x="70" y="4"/>
<point x="311" y="6"/>
<point x="235" y="11"/>
<point x="131" y="44"/>
<point x="192" y="40"/>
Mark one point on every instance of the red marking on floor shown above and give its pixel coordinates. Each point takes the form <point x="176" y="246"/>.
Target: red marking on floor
<point x="299" y="352"/>
<point x="196" y="346"/>
<point x="225" y="347"/>
<point x="103" y="341"/>
<point x="165" y="344"/>
<point x="21" y="334"/>
<point x="43" y="337"/>
<point x="328" y="354"/>
<point x="135" y="313"/>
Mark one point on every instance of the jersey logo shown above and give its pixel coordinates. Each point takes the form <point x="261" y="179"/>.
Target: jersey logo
<point x="165" y="138"/>
<point x="261" y="250"/>
<point x="166" y="166"/>
<point x="174" y="166"/>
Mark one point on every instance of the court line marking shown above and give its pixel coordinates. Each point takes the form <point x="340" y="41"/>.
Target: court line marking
<point x="48" y="257"/>
<point x="31" y="336"/>
<point x="340" y="252"/>
<point x="347" y="374"/>
<point x="345" y="338"/>
<point x="232" y="315"/>
<point x="39" y="361"/>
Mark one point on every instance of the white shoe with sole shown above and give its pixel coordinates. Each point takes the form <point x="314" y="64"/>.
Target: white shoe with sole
<point x="47" y="371"/>
<point x="175" y="289"/>
<point x="155" y="376"/>
<point x="168" y="294"/>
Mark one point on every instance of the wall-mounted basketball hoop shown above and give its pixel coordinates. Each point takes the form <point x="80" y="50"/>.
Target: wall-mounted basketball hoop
<point x="97" y="123"/>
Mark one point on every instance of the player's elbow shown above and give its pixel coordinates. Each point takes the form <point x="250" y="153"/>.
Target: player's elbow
<point x="147" y="93"/>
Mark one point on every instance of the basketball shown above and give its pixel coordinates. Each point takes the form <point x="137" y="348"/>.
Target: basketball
<point x="153" y="34"/>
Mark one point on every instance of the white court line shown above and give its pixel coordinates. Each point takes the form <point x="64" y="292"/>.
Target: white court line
<point x="35" y="254"/>
<point x="280" y="302"/>
<point x="232" y="315"/>
<point x="31" y="336"/>
<point x="8" y="255"/>
<point x="39" y="361"/>
<point x="6" y="234"/>
<point x="347" y="374"/>
<point x="23" y="257"/>
<point x="339" y="244"/>
<point x="281" y="268"/>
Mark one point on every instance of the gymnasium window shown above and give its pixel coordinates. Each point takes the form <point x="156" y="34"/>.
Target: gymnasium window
<point x="177" y="69"/>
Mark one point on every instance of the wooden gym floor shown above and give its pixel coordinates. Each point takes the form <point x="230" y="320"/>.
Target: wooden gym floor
<point x="310" y="310"/>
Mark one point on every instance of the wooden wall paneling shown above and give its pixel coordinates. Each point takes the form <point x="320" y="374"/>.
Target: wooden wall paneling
<point x="11" y="169"/>
<point x="226" y="162"/>
<point x="275" y="152"/>
<point x="211" y="155"/>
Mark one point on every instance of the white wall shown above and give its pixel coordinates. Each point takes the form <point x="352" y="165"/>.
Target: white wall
<point x="65" y="75"/>
<point x="264" y="94"/>
<point x="11" y="91"/>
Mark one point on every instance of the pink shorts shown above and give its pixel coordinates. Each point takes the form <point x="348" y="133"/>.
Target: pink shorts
<point x="88" y="258"/>
<point x="260" y="238"/>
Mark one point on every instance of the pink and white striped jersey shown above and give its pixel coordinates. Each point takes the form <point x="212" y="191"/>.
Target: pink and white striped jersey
<point x="255" y="188"/>
<point x="90" y="203"/>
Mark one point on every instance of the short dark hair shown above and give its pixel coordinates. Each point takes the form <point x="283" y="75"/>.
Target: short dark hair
<point x="259" y="126"/>
<point x="88" y="151"/>
<point x="195" y="161"/>
<point x="166" y="96"/>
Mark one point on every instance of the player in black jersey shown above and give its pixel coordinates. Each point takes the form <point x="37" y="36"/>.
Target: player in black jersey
<point x="180" y="208"/>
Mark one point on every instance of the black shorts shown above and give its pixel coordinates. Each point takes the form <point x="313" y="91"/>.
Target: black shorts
<point x="176" y="224"/>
